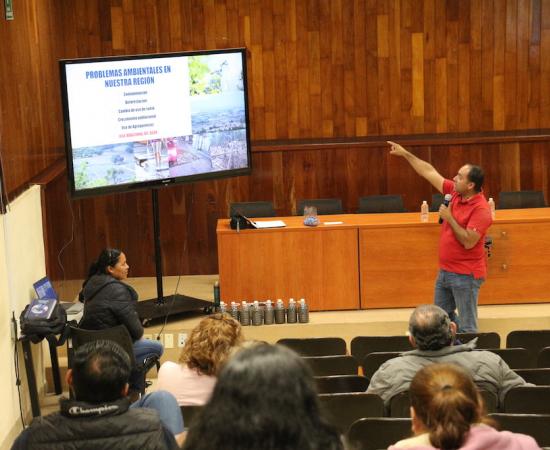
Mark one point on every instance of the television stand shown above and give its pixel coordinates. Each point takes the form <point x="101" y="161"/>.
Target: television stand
<point x="165" y="306"/>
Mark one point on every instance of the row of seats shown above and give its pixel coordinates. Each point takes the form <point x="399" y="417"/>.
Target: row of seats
<point x="361" y="416"/>
<point x="516" y="358"/>
<point x="524" y="348"/>
<point x="382" y="204"/>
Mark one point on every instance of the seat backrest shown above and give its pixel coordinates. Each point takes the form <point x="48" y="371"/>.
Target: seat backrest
<point x="527" y="400"/>
<point x="437" y="200"/>
<point x="189" y="413"/>
<point x="325" y="346"/>
<point x="341" y="384"/>
<point x="400" y="405"/>
<point x="373" y="361"/>
<point x="535" y="425"/>
<point x="521" y="199"/>
<point x="118" y="334"/>
<point x="543" y="359"/>
<point x="516" y="358"/>
<point x="380" y="204"/>
<point x="376" y="433"/>
<point x="361" y="346"/>
<point x="490" y="400"/>
<point x="323" y="366"/>
<point x="341" y="410"/>
<point x="532" y="340"/>
<point x="484" y="340"/>
<point x="323" y="205"/>
<point x="540" y="377"/>
<point x="252" y="209"/>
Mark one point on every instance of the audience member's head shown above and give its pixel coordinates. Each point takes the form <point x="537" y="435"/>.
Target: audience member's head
<point x="430" y="328"/>
<point x="109" y="257"/>
<point x="209" y="344"/>
<point x="265" y="398"/>
<point x="445" y="402"/>
<point x="100" y="372"/>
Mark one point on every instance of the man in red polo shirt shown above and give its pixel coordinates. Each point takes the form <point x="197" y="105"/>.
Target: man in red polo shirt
<point x="462" y="261"/>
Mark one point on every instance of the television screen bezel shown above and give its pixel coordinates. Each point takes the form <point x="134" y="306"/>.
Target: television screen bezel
<point x="152" y="184"/>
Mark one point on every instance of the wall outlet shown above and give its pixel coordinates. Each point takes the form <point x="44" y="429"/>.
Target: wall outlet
<point x="169" y="340"/>
<point x="182" y="337"/>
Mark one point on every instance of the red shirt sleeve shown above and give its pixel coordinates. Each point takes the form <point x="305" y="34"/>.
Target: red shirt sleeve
<point x="480" y="220"/>
<point x="448" y="186"/>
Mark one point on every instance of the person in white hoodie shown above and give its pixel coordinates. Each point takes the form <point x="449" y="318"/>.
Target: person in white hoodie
<point x="447" y="413"/>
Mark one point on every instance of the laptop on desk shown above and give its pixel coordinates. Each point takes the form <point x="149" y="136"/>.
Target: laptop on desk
<point x="44" y="289"/>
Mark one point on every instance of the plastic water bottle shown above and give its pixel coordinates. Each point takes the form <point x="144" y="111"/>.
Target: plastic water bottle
<point x="424" y="211"/>
<point x="256" y="314"/>
<point x="492" y="207"/>
<point x="245" y="314"/>
<point x="269" y="314"/>
<point x="234" y="311"/>
<point x="303" y="312"/>
<point x="279" y="312"/>
<point x="291" y="316"/>
<point x="223" y="307"/>
<point x="216" y="295"/>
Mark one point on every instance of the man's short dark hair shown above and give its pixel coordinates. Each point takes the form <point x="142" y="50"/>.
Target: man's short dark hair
<point x="430" y="327"/>
<point x="476" y="176"/>
<point x="100" y="371"/>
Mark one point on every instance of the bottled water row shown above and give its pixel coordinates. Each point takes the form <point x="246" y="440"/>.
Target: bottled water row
<point x="258" y="313"/>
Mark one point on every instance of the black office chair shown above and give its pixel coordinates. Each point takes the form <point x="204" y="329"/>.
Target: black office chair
<point x="324" y="346"/>
<point x="361" y="346"/>
<point x="543" y="359"/>
<point x="381" y="204"/>
<point x="252" y="209"/>
<point x="516" y="358"/>
<point x="341" y="410"/>
<point x="539" y="377"/>
<point x="484" y="340"/>
<point x="323" y="205"/>
<point x="323" y="366"/>
<point x="521" y="199"/>
<point x="120" y="335"/>
<point x="373" y="361"/>
<point x="341" y="384"/>
<point x="437" y="200"/>
<point x="527" y="400"/>
<point x="532" y="340"/>
<point x="375" y="433"/>
<point x="535" y="425"/>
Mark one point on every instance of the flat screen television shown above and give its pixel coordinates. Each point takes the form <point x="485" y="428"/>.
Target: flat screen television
<point x="144" y="121"/>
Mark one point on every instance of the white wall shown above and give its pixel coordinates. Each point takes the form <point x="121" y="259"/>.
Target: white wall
<point x="22" y="262"/>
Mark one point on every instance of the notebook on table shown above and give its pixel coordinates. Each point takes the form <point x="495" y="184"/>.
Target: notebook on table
<point x="44" y="290"/>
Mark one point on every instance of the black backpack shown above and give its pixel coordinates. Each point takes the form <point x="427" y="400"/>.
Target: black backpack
<point x="38" y="329"/>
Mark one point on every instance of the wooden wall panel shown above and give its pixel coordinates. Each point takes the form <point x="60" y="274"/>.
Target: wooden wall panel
<point x="188" y="213"/>
<point x="322" y="70"/>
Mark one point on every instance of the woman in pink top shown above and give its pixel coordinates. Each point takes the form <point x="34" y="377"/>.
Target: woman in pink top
<point x="447" y="413"/>
<point x="208" y="346"/>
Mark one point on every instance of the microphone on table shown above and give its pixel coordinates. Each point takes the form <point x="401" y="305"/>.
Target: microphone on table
<point x="446" y="203"/>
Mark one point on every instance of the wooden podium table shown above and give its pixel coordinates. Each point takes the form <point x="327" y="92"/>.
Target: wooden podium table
<point x="377" y="260"/>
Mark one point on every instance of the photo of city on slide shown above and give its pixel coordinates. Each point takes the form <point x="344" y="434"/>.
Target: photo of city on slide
<point x="217" y="142"/>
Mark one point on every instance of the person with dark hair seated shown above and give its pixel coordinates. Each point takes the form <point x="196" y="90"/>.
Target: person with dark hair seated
<point x="109" y="302"/>
<point x="100" y="415"/>
<point x="432" y="333"/>
<point x="447" y="413"/>
<point x="265" y="398"/>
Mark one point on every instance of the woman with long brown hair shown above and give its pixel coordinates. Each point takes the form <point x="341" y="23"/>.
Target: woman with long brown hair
<point x="447" y="413"/>
<point x="206" y="350"/>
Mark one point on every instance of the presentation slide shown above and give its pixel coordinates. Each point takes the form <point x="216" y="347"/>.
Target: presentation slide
<point x="139" y="120"/>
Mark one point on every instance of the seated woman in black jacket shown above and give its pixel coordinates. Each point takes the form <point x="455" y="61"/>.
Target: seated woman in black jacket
<point x="109" y="302"/>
